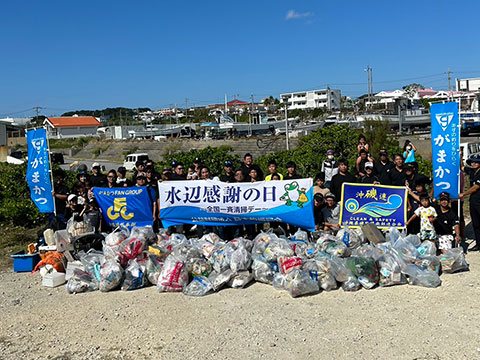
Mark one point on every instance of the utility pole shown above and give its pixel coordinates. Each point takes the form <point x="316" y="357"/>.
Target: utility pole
<point x="36" y="108"/>
<point x="176" y="114"/>
<point x="251" y="119"/>
<point x="286" y="126"/>
<point x="186" y="108"/>
<point x="449" y="82"/>
<point x="368" y="70"/>
<point x="226" y="107"/>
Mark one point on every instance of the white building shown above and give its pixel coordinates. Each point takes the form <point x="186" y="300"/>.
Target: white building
<point x="327" y="99"/>
<point x="472" y="84"/>
<point x="71" y="127"/>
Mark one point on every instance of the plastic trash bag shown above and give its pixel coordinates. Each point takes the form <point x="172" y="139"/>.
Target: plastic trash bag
<point x="135" y="275"/>
<point x="92" y="261"/>
<point x="349" y="237"/>
<point x="364" y="269"/>
<point x="154" y="268"/>
<point x="427" y="248"/>
<point x="300" y="235"/>
<point x="199" y="286"/>
<point x="406" y="249"/>
<point x="390" y="271"/>
<point x="453" y="260"/>
<point x="111" y="275"/>
<point x="392" y="235"/>
<point x="218" y="280"/>
<point x="299" y="282"/>
<point x="200" y="267"/>
<point x="116" y="237"/>
<point x="261" y="242"/>
<point x="278" y="281"/>
<point x="262" y="270"/>
<point x="431" y="263"/>
<point x="417" y="276"/>
<point x="320" y="270"/>
<point x="240" y="279"/>
<point x="288" y="264"/>
<point x="242" y="242"/>
<point x="367" y="251"/>
<point x="220" y="257"/>
<point x="331" y="246"/>
<point x="134" y="247"/>
<point x="343" y="274"/>
<point x="240" y="260"/>
<point x="174" y="276"/>
<point x="413" y="239"/>
<point x="53" y="258"/>
<point x="277" y="248"/>
<point x="146" y="233"/>
<point x="81" y="281"/>
<point x="77" y="227"/>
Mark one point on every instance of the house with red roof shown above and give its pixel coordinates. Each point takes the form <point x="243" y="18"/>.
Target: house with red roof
<point x="71" y="126"/>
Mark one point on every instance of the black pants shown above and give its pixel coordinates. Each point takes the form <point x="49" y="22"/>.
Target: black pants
<point x="475" y="215"/>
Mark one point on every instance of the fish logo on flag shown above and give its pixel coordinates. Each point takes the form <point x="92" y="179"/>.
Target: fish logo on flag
<point x="444" y="119"/>
<point x="127" y="207"/>
<point x="38" y="171"/>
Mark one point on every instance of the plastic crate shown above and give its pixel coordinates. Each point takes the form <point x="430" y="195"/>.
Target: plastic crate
<point x="24" y="262"/>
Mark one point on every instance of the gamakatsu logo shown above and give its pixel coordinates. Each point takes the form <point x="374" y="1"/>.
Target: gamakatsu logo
<point x="444" y="119"/>
<point x="119" y="208"/>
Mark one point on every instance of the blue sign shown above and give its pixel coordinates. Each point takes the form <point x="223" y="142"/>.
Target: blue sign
<point x="209" y="202"/>
<point x="38" y="171"/>
<point x="384" y="206"/>
<point x="126" y="206"/>
<point x="445" y="149"/>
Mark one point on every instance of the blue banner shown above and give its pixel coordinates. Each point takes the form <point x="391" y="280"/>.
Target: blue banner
<point x="208" y="202"/>
<point x="384" y="206"/>
<point x="126" y="206"/>
<point x="445" y="149"/>
<point x="38" y="171"/>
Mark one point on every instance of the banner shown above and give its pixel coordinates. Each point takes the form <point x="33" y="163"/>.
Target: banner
<point x="445" y="148"/>
<point x="208" y="202"/>
<point x="385" y="206"/>
<point x="38" y="171"/>
<point x="125" y="206"/>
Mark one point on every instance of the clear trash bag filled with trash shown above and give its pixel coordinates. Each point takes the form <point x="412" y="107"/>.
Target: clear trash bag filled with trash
<point x="261" y="242"/>
<point x="240" y="259"/>
<point x="299" y="283"/>
<point x="453" y="261"/>
<point x="417" y="276"/>
<point x="199" y="286"/>
<point x="111" y="275"/>
<point x="92" y="261"/>
<point x="218" y="280"/>
<point x="81" y="281"/>
<point x="390" y="271"/>
<point x="135" y="274"/>
<point x="427" y="248"/>
<point x="343" y="274"/>
<point x="154" y="268"/>
<point x="277" y="248"/>
<point x="262" y="270"/>
<point x="431" y="263"/>
<point x="240" y="279"/>
<point x="364" y="269"/>
<point x="220" y="257"/>
<point x="174" y="275"/>
<point x="320" y="270"/>
<point x="367" y="251"/>
<point x="350" y="237"/>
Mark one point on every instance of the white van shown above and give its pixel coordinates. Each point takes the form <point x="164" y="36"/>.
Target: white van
<point x="470" y="149"/>
<point x="131" y="159"/>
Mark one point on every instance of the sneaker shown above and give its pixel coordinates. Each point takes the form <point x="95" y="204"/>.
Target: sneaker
<point x="475" y="248"/>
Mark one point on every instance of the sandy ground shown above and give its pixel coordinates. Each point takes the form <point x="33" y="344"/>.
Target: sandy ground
<point x="405" y="322"/>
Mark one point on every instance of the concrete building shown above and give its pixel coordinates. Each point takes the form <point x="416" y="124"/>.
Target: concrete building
<point x="472" y="84"/>
<point x="71" y="127"/>
<point x="328" y="99"/>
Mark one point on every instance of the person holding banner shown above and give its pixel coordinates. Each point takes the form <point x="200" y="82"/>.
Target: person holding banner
<point x="331" y="214"/>
<point x="474" y="192"/>
<point x="343" y="176"/>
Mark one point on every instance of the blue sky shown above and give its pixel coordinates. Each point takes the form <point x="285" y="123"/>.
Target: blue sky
<point x="67" y="55"/>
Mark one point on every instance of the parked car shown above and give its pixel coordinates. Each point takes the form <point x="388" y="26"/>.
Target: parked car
<point x="131" y="159"/>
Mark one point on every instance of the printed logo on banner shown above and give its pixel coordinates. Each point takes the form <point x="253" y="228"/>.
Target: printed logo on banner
<point x="119" y="208"/>
<point x="444" y="119"/>
<point x="294" y="194"/>
<point x="385" y="206"/>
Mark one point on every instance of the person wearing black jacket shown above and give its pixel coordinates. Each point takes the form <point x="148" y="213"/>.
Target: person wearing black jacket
<point x="248" y="165"/>
<point x="291" y="171"/>
<point x="228" y="176"/>
<point x="97" y="179"/>
<point x="474" y="192"/>
<point x="396" y="175"/>
<point x="370" y="177"/>
<point x="446" y="224"/>
<point x="382" y="166"/>
<point x="343" y="176"/>
<point x="178" y="171"/>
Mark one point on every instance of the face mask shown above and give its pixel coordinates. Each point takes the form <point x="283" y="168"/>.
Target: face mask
<point x="330" y="157"/>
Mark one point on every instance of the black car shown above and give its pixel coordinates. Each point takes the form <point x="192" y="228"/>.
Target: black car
<point x="57" y="158"/>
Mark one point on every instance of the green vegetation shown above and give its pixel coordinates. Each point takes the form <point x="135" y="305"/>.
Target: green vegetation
<point x="99" y="150"/>
<point x="13" y="240"/>
<point x="131" y="150"/>
<point x="69" y="143"/>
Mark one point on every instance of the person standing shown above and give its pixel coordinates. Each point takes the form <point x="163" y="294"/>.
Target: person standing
<point x="291" y="171"/>
<point x="343" y="176"/>
<point x="474" y="192"/>
<point x="370" y="177"/>
<point x="178" y="171"/>
<point x="329" y="168"/>
<point x="228" y="176"/>
<point x="396" y="175"/>
<point x="331" y="214"/>
<point x="98" y="179"/>
<point x="382" y="166"/>
<point x="409" y="153"/>
<point x="248" y="165"/>
<point x="272" y="168"/>
<point x="447" y="223"/>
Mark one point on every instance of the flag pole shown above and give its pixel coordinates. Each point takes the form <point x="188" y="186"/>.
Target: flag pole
<point x="50" y="169"/>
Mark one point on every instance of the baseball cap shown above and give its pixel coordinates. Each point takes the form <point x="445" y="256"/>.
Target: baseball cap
<point x="445" y="195"/>
<point x="228" y="163"/>
<point x="318" y="197"/>
<point x="329" y="152"/>
<point x="197" y="160"/>
<point x="95" y="165"/>
<point x="369" y="164"/>
<point x="71" y="197"/>
<point x="383" y="152"/>
<point x="141" y="175"/>
<point x="330" y="195"/>
<point x="174" y="164"/>
<point x="473" y="158"/>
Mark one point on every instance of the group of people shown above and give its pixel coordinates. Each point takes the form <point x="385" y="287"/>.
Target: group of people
<point x="433" y="220"/>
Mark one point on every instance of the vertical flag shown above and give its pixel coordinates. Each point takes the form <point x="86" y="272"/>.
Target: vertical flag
<point x="445" y="148"/>
<point x="38" y="171"/>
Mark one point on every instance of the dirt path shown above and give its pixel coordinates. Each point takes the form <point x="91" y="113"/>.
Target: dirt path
<point x="406" y="322"/>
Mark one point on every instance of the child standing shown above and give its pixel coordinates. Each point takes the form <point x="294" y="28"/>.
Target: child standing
<point x="427" y="215"/>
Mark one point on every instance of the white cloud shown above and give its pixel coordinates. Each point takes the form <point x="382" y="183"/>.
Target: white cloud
<point x="292" y="14"/>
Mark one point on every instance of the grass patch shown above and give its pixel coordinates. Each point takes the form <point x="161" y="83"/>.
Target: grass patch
<point x="13" y="240"/>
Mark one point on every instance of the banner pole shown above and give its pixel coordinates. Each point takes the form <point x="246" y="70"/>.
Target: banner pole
<point x="50" y="169"/>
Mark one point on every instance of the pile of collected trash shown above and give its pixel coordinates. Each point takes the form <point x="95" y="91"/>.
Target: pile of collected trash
<point x="300" y="264"/>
